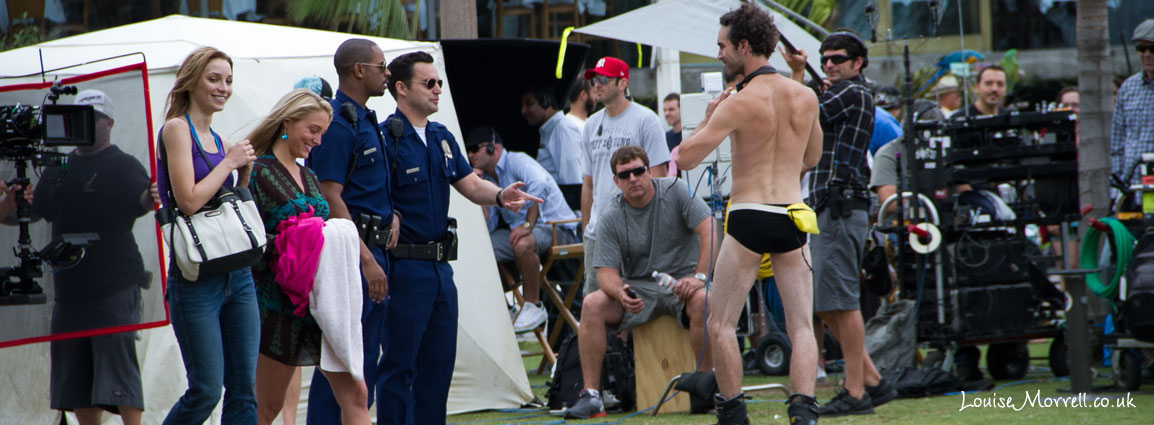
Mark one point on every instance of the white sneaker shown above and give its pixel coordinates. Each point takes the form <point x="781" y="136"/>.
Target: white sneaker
<point x="530" y="318"/>
<point x="821" y="373"/>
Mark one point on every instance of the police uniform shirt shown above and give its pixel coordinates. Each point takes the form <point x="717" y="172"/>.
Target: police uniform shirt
<point x="366" y="190"/>
<point x="422" y="177"/>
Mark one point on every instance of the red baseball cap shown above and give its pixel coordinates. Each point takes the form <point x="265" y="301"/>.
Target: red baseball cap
<point x="610" y="67"/>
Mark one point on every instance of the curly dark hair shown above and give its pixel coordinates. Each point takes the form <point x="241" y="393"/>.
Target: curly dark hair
<point x="751" y="23"/>
<point x="401" y="69"/>
<point x="845" y="38"/>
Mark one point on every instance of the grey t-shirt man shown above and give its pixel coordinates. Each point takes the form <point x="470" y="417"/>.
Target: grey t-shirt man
<point x="885" y="169"/>
<point x="638" y="126"/>
<point x="660" y="236"/>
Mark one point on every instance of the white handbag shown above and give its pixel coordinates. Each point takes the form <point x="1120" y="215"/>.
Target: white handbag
<point x="215" y="240"/>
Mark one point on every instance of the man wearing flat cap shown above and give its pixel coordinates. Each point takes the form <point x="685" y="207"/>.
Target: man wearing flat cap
<point x="1132" y="131"/>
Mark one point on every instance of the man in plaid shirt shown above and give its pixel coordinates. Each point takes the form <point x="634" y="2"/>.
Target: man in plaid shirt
<point x="838" y="192"/>
<point x="1132" y="132"/>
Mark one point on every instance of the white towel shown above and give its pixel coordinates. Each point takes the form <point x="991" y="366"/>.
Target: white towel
<point x="336" y="298"/>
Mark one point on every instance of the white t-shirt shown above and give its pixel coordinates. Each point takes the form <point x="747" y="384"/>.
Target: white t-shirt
<point x="603" y="135"/>
<point x="421" y="135"/>
<point x="576" y="120"/>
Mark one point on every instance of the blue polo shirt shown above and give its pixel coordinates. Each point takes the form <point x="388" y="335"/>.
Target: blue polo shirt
<point x="517" y="166"/>
<point x="420" y="184"/>
<point x="366" y="188"/>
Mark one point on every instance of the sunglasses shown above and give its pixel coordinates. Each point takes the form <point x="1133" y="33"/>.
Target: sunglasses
<point x="1144" y="49"/>
<point x="431" y="82"/>
<point x="475" y="148"/>
<point x="601" y="79"/>
<point x="624" y="174"/>
<point x="837" y="59"/>
<point x="381" y="66"/>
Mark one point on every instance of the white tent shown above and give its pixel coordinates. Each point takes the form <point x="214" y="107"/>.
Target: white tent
<point x="267" y="59"/>
<point x="692" y="26"/>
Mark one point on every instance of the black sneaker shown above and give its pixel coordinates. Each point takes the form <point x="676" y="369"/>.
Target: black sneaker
<point x="732" y="411"/>
<point x="881" y="393"/>
<point x="844" y="404"/>
<point x="802" y="410"/>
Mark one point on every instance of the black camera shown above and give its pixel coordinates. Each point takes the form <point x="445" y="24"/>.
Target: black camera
<point x="48" y="125"/>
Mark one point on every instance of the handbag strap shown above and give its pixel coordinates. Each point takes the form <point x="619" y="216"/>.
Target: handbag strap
<point x="199" y="148"/>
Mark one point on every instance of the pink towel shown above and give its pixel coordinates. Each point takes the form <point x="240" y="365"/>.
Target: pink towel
<point x="298" y="247"/>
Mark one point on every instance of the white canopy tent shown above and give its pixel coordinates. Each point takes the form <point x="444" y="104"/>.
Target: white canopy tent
<point x="692" y="26"/>
<point x="268" y="60"/>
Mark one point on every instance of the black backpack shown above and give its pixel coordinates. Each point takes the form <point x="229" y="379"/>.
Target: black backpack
<point x="1138" y="309"/>
<point x="616" y="375"/>
<point x="914" y="383"/>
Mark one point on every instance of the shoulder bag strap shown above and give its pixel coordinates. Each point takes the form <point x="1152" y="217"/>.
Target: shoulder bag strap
<point x="196" y="142"/>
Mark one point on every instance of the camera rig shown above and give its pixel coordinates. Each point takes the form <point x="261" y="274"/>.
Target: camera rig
<point x="987" y="282"/>
<point x="31" y="134"/>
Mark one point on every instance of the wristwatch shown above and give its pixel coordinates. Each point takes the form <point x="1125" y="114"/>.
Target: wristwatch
<point x="527" y="225"/>
<point x="702" y="277"/>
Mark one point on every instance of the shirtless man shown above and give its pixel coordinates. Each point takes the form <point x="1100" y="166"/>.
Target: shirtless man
<point x="773" y="124"/>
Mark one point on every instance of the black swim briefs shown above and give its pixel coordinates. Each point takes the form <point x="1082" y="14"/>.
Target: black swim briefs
<point x="762" y="229"/>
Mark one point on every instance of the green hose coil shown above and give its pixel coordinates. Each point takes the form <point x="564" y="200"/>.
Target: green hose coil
<point x="1123" y="248"/>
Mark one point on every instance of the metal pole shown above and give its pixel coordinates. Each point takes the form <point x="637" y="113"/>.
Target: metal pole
<point x="1077" y="336"/>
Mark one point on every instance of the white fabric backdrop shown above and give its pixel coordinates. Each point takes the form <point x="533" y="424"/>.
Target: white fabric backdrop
<point x="268" y="59"/>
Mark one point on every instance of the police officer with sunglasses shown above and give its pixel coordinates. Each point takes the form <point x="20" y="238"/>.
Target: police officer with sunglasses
<point x="426" y="159"/>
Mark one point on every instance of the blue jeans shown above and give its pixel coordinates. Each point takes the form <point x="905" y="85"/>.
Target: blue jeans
<point x="218" y="328"/>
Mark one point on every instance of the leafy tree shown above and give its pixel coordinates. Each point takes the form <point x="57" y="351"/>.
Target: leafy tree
<point x="380" y="18"/>
<point x="25" y="36"/>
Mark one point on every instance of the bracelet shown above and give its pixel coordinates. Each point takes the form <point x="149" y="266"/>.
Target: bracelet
<point x="499" y="203"/>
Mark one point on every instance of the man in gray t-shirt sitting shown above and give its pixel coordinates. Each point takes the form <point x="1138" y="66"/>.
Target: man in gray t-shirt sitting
<point x="653" y="225"/>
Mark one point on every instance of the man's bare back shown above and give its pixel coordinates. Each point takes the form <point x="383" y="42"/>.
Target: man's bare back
<point x="777" y="136"/>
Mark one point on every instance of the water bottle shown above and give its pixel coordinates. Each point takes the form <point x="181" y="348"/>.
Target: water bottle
<point x="664" y="279"/>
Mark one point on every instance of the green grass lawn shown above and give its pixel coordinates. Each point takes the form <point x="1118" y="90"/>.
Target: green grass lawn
<point x="769" y="408"/>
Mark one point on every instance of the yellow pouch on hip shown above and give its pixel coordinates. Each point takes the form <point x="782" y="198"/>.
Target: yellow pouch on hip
<point x="803" y="217"/>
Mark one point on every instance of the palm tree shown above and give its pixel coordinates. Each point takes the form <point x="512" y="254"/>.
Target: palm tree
<point x="381" y="18"/>
<point x="818" y="11"/>
<point x="1097" y="108"/>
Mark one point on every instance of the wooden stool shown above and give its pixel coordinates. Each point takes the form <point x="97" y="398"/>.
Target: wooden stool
<point x="661" y="350"/>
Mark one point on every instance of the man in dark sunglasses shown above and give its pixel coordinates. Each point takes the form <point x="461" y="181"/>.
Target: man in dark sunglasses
<point x="1134" y="110"/>
<point x="772" y="125"/>
<point x="839" y="193"/>
<point x="521" y="236"/>
<point x="351" y="165"/>
<point x="654" y="225"/>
